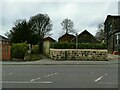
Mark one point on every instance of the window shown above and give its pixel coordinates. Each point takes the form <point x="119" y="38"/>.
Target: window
<point x="110" y="27"/>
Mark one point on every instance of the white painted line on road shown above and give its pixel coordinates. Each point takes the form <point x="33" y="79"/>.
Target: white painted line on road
<point x="10" y="73"/>
<point x="105" y="74"/>
<point x="98" y="79"/>
<point x="50" y="75"/>
<point x="55" y="73"/>
<point x="7" y="74"/>
<point x="38" y="78"/>
<point x="34" y="79"/>
<point x="42" y="82"/>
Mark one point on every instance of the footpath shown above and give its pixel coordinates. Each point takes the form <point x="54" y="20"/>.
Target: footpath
<point x="112" y="59"/>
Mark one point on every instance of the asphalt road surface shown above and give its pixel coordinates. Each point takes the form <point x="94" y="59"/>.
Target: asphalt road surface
<point x="60" y="76"/>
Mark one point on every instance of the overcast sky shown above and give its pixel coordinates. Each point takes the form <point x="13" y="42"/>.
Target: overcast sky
<point x="85" y="15"/>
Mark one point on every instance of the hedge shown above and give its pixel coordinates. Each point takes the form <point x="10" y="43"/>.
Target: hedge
<point x="59" y="45"/>
<point x="18" y="50"/>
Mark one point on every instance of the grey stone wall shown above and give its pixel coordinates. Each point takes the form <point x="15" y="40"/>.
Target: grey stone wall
<point x="78" y="54"/>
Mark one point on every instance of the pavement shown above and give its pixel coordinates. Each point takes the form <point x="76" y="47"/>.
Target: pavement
<point x="112" y="59"/>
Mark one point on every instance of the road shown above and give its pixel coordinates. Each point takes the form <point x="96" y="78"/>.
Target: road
<point x="60" y="76"/>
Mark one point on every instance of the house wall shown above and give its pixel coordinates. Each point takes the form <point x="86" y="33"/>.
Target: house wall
<point x="46" y="47"/>
<point x="112" y="27"/>
<point x="78" y="54"/>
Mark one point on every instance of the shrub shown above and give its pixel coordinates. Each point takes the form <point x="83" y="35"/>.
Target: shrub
<point x="58" y="45"/>
<point x="18" y="50"/>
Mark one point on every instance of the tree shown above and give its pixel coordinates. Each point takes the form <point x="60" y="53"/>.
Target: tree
<point x="100" y="34"/>
<point x="21" y="32"/>
<point x="41" y="25"/>
<point x="68" y="26"/>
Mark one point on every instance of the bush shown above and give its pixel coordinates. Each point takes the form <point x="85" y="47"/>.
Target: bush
<point x="58" y="45"/>
<point x="18" y="50"/>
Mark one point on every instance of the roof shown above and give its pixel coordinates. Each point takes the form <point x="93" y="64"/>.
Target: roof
<point x="85" y="32"/>
<point x="2" y="38"/>
<point x="112" y="17"/>
<point x="49" y="39"/>
<point x="67" y="37"/>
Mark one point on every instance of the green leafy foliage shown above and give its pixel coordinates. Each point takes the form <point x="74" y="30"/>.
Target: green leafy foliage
<point x="63" y="45"/>
<point x="18" y="50"/>
<point x="58" y="45"/>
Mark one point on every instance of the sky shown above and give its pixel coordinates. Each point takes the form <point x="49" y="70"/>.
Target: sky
<point x="84" y="14"/>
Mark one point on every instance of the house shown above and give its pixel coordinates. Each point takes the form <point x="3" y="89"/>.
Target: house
<point x="112" y="33"/>
<point x="66" y="38"/>
<point x="4" y="48"/>
<point x="85" y="37"/>
<point x="46" y="45"/>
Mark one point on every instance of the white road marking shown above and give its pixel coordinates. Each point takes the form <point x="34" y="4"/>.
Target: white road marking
<point x="10" y="73"/>
<point x="98" y="79"/>
<point x="44" y="82"/>
<point x="50" y="75"/>
<point x="38" y="78"/>
<point x="105" y="74"/>
<point x="55" y="73"/>
<point x="7" y="74"/>
<point x="34" y="79"/>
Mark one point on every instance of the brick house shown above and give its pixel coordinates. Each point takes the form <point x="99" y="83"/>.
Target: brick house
<point x="4" y="48"/>
<point x="112" y="33"/>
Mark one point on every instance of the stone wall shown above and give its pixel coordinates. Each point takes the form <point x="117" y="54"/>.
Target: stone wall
<point x="78" y="54"/>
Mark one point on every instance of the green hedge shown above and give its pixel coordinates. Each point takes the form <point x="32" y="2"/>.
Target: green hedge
<point x="58" y="45"/>
<point x="18" y="50"/>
